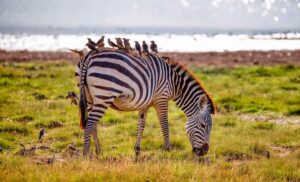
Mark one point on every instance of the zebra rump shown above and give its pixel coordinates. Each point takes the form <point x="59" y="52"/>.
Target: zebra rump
<point x="82" y="98"/>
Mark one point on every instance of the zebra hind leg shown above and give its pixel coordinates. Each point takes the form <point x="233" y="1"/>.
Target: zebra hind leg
<point x="94" y="132"/>
<point x="94" y="116"/>
<point x="97" y="143"/>
<point x="140" y="129"/>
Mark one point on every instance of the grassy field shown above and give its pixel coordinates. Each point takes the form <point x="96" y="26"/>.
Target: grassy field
<point x="248" y="140"/>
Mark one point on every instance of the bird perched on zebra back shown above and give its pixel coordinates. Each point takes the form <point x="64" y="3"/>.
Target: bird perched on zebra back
<point x="153" y="46"/>
<point x="138" y="47"/>
<point x="166" y="58"/>
<point x="91" y="46"/>
<point x="112" y="44"/>
<point x="120" y="43"/>
<point x="41" y="134"/>
<point x="145" y="48"/>
<point x="127" y="44"/>
<point x="100" y="42"/>
<point x="72" y="95"/>
<point x="91" y="41"/>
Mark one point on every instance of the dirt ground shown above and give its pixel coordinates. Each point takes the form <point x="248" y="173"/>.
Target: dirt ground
<point x="217" y="59"/>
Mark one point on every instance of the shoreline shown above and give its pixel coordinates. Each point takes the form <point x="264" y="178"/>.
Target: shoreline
<point x="216" y="59"/>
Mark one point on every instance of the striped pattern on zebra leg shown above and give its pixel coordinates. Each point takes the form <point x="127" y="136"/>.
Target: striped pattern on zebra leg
<point x="94" y="132"/>
<point x="161" y="108"/>
<point x="94" y="116"/>
<point x="140" y="129"/>
<point x="96" y="140"/>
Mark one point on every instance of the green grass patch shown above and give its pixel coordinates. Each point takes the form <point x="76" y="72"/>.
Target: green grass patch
<point x="14" y="128"/>
<point x="33" y="96"/>
<point x="5" y="144"/>
<point x="24" y="118"/>
<point x="263" y="125"/>
<point x="260" y="149"/>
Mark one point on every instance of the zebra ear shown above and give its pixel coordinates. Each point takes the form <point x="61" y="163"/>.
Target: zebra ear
<point x="80" y="53"/>
<point x="203" y="101"/>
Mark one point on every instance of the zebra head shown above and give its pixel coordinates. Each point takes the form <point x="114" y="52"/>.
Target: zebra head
<point x="199" y="126"/>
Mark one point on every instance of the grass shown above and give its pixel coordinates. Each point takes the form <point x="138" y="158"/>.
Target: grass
<point x="32" y="96"/>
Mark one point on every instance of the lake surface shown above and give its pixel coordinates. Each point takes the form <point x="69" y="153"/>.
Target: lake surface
<point x="165" y="42"/>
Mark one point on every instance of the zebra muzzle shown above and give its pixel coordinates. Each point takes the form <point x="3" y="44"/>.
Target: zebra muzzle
<point x="201" y="151"/>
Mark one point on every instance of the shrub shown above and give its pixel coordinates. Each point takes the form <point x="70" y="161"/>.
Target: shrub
<point x="263" y="126"/>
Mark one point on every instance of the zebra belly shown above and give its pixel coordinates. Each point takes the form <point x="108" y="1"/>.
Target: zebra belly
<point x="123" y="103"/>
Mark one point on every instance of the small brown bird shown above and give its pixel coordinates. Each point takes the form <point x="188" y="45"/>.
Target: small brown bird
<point x="91" y="42"/>
<point x="120" y="43"/>
<point x="145" y="48"/>
<point x="71" y="95"/>
<point x="167" y="59"/>
<point x="100" y="42"/>
<point x="127" y="44"/>
<point x="80" y="53"/>
<point x="138" y="47"/>
<point x="111" y="43"/>
<point x="153" y="46"/>
<point x="91" y="46"/>
<point x="42" y="133"/>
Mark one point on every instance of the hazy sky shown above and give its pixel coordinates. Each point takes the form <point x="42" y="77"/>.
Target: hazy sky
<point x="215" y="14"/>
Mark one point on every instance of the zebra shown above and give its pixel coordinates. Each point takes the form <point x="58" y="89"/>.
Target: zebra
<point x="126" y="81"/>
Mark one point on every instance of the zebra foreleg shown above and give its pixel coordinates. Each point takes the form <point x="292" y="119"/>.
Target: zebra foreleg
<point x="140" y="129"/>
<point x="161" y="108"/>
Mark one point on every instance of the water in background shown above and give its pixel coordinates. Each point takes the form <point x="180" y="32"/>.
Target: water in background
<point x="165" y="42"/>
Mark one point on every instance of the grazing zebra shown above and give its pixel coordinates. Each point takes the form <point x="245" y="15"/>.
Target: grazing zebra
<point x="126" y="81"/>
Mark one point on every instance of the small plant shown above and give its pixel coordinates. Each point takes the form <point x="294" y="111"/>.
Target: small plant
<point x="260" y="149"/>
<point x="4" y="144"/>
<point x="50" y="124"/>
<point x="24" y="118"/>
<point x="263" y="126"/>
<point x="228" y="124"/>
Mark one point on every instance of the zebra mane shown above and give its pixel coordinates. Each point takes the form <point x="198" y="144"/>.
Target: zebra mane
<point x="184" y="71"/>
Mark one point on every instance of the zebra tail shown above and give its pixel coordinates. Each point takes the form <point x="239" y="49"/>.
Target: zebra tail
<point x="82" y="108"/>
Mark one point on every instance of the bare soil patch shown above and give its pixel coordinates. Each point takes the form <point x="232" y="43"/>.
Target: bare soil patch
<point x="272" y="119"/>
<point x="282" y="151"/>
<point x="217" y="59"/>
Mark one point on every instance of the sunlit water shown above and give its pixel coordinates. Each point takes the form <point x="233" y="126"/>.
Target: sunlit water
<point x="165" y="42"/>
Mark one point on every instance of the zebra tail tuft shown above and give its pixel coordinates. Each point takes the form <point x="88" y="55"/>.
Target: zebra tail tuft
<point x="82" y="108"/>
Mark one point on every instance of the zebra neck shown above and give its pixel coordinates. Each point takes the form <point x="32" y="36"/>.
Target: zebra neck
<point x="187" y="93"/>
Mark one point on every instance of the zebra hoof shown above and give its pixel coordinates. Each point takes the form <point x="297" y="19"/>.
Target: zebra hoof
<point x="137" y="150"/>
<point x="168" y="147"/>
<point x="98" y="152"/>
